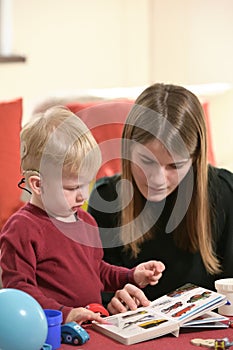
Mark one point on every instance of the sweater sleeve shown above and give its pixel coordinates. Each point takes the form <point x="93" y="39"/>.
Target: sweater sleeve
<point x="18" y="262"/>
<point x="115" y="277"/>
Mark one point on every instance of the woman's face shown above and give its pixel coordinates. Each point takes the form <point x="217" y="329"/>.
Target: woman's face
<point x="156" y="172"/>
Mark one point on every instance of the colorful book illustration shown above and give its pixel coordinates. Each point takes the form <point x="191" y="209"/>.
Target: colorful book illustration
<point x="163" y="316"/>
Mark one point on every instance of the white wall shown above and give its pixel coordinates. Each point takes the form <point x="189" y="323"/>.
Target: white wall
<point x="75" y="44"/>
<point x="78" y="44"/>
<point x="192" y="41"/>
<point x="221" y="114"/>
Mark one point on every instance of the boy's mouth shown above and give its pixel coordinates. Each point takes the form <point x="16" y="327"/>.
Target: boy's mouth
<point x="75" y="209"/>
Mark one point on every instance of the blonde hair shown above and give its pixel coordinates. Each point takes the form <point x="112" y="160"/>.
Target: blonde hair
<point x="174" y="115"/>
<point x="58" y="137"/>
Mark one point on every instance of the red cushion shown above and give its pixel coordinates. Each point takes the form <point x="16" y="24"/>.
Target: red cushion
<point x="105" y="120"/>
<point x="77" y="106"/>
<point x="10" y="119"/>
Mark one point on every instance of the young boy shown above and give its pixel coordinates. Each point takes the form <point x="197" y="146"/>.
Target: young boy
<point x="51" y="248"/>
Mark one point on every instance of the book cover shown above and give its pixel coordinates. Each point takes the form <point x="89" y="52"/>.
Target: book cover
<point x="163" y="316"/>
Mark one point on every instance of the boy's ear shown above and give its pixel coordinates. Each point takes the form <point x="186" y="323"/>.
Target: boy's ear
<point x="35" y="184"/>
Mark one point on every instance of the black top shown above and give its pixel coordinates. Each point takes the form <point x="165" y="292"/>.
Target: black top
<point x="181" y="266"/>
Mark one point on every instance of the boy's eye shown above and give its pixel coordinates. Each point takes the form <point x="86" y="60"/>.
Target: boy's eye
<point x="74" y="188"/>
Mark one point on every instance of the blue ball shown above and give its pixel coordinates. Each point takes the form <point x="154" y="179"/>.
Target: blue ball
<point x="23" y="324"/>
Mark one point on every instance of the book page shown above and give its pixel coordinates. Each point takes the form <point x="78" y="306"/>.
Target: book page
<point x="136" y="326"/>
<point x="187" y="302"/>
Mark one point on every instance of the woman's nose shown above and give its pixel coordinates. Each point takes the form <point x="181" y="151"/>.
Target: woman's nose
<point x="157" y="176"/>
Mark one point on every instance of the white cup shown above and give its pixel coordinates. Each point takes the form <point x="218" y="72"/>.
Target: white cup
<point x="225" y="286"/>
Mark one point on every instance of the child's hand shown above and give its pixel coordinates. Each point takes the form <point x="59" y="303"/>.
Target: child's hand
<point x="148" y="273"/>
<point x="81" y="315"/>
<point x="128" y="298"/>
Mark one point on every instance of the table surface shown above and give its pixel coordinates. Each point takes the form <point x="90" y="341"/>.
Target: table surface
<point x="169" y="342"/>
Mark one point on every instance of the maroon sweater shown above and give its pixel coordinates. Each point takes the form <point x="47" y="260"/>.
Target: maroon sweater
<point x="59" y="264"/>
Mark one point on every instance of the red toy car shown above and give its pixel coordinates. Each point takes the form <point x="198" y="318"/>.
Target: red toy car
<point x="95" y="307"/>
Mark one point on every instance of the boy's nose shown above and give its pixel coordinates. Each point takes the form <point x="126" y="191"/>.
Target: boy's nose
<point x="79" y="196"/>
<point x="82" y="193"/>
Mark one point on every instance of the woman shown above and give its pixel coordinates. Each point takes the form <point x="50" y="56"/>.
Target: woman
<point x="168" y="204"/>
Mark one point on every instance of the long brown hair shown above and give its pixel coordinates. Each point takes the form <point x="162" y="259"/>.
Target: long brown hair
<point x="175" y="116"/>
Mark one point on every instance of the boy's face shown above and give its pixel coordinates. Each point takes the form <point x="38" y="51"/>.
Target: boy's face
<point x="62" y="198"/>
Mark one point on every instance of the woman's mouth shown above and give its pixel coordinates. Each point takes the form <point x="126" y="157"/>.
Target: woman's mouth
<point x="157" y="190"/>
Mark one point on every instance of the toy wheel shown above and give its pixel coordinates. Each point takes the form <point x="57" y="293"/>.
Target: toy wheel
<point x="68" y="338"/>
<point x="75" y="341"/>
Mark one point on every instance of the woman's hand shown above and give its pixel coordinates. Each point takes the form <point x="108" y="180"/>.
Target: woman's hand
<point x="81" y="315"/>
<point x="148" y="273"/>
<point x="128" y="298"/>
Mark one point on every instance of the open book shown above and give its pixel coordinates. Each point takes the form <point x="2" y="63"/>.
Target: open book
<point x="163" y="316"/>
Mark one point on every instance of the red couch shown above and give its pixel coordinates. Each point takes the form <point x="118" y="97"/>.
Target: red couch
<point x="11" y="117"/>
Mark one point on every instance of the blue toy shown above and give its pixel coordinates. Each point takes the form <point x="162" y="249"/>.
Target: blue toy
<point x="23" y="324"/>
<point x="73" y="333"/>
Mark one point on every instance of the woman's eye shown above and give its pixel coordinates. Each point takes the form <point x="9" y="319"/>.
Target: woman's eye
<point x="176" y="166"/>
<point x="147" y="161"/>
